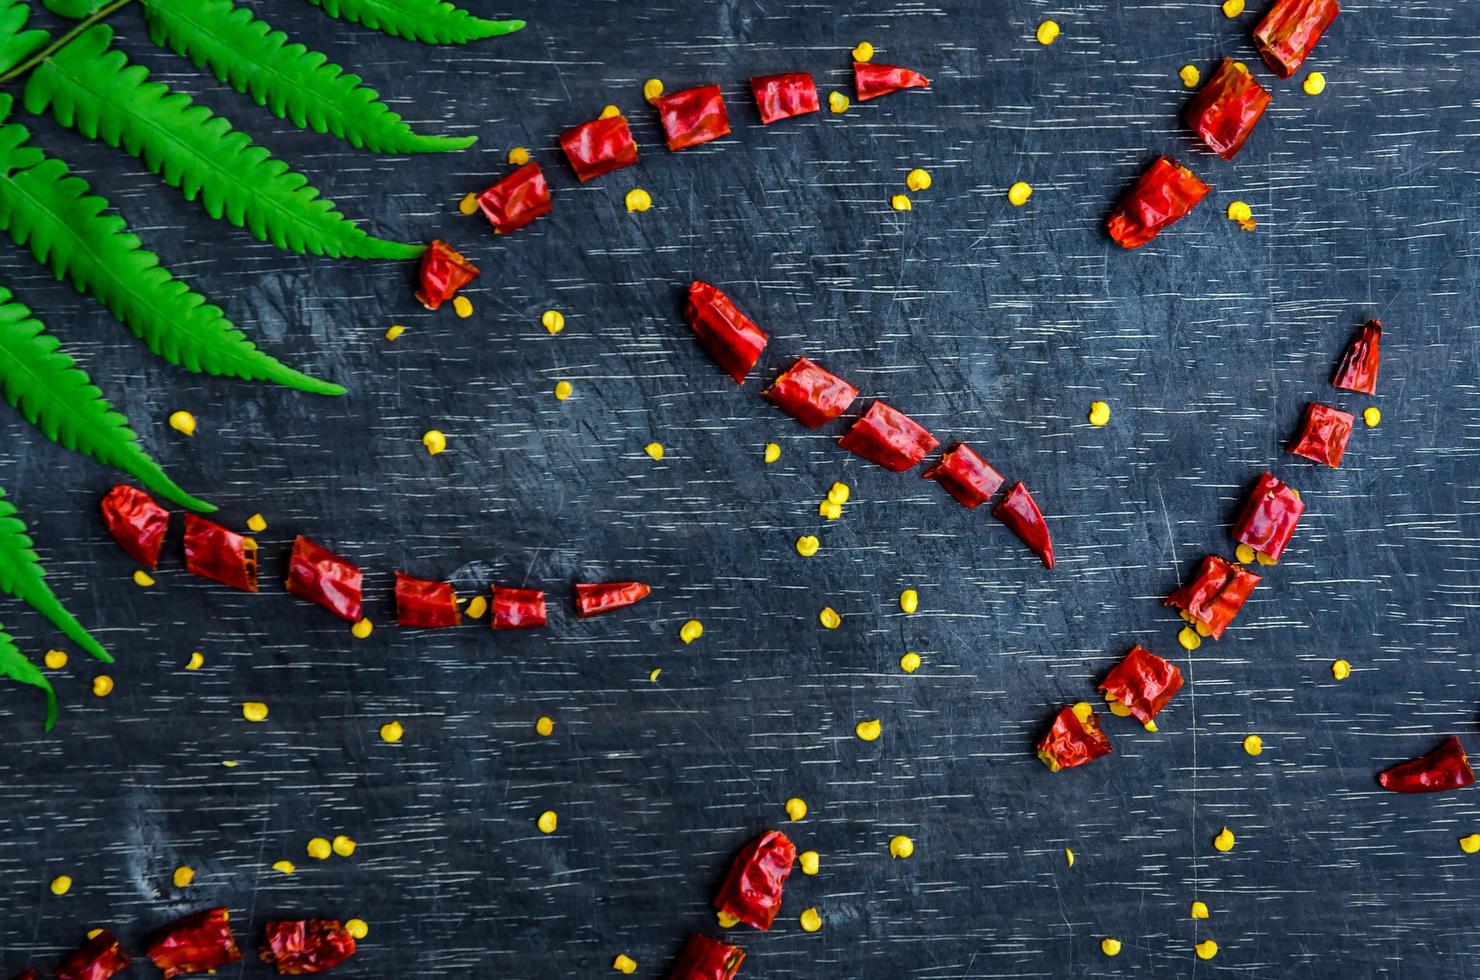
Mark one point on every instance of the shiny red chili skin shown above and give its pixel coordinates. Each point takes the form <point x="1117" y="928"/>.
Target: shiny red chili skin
<point x="693" y="116"/>
<point x="99" y="958"/>
<point x="1290" y="29"/>
<point x="1446" y="767"/>
<point x="196" y="943"/>
<point x="810" y="393"/>
<point x="703" y="958"/>
<point x="783" y="96"/>
<point x="872" y="81"/>
<point x="421" y="604"/>
<point x="136" y="522"/>
<point x="966" y="476"/>
<point x="1021" y="515"/>
<point x="1215" y="594"/>
<point x="1160" y="197"/>
<point x="1072" y="741"/>
<point x="887" y="436"/>
<point x="443" y="272"/>
<point x="516" y="200"/>
<point x="306" y="946"/>
<point x="1323" y="435"/>
<point x="1225" y="110"/>
<point x="1358" y="368"/>
<point x="593" y="599"/>
<point x="1269" y="517"/>
<point x="213" y="552"/>
<point x="730" y="337"/>
<point x="1143" y="682"/>
<point x="319" y="575"/>
<point x="517" y="609"/>
<point x="598" y="147"/>
<point x="752" y="890"/>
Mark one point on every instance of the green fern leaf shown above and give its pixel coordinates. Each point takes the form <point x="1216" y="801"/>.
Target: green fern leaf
<point x="93" y="89"/>
<point x="17" y="44"/>
<point x="50" y="212"/>
<point x="13" y="664"/>
<point x="293" y="82"/>
<point x="57" y="396"/>
<point x="428" y="21"/>
<point x="21" y="576"/>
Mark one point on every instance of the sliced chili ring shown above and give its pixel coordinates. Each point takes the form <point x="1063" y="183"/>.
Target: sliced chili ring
<point x="1214" y="596"/>
<point x="304" y="946"/>
<point x="213" y="552"/>
<point x="593" y="599"/>
<point x="1323" y="435"/>
<point x="730" y="337"/>
<point x="1290" y="30"/>
<point x="1141" y="684"/>
<point x="693" y="116"/>
<point x="783" y="96"/>
<point x="751" y="892"/>
<point x="516" y="200"/>
<point x="810" y="393"/>
<point x="136" y="522"/>
<point x="319" y="575"/>
<point x="1269" y="517"/>
<point x="99" y="958"/>
<point x="424" y="604"/>
<point x="444" y="271"/>
<point x="198" y="943"/>
<point x="517" y="609"/>
<point x="887" y="436"/>
<point x="1358" y="368"/>
<point x="1074" y="738"/>
<point x="873" y="80"/>
<point x="598" y="147"/>
<point x="965" y="476"/>
<point x="703" y="958"/>
<point x="1226" y="109"/>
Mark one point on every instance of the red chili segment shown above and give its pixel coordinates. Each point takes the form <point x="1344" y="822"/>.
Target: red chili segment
<point x="136" y="522"/>
<point x="599" y="147"/>
<point x="752" y="890"/>
<point x="888" y="437"/>
<point x="1021" y="515"/>
<point x="810" y="393"/>
<point x="1323" y="435"/>
<point x="1290" y="30"/>
<point x="443" y="272"/>
<point x="306" y="946"/>
<point x="1269" y="517"/>
<point x="1161" y="197"/>
<point x="516" y="200"/>
<point x="730" y="337"/>
<point x="99" y="958"/>
<point x="1446" y="767"/>
<point x="425" y="605"/>
<point x="517" y="609"/>
<point x="693" y="116"/>
<point x="783" y="96"/>
<point x="1073" y="739"/>
<point x="198" y="943"/>
<point x="1358" y="368"/>
<point x="593" y="599"/>
<point x="1143" y="682"/>
<point x="1215" y="594"/>
<point x="319" y="575"/>
<point x="223" y="556"/>
<point x="966" y="476"/>
<point x="872" y="80"/>
<point x="703" y="958"/>
<point x="1225" y="111"/>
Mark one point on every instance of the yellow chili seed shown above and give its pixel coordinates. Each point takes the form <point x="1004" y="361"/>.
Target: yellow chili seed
<point x="909" y="601"/>
<point x="1372" y="416"/>
<point x="830" y="510"/>
<point x="547" y="822"/>
<point x="652" y="89"/>
<point x="477" y="607"/>
<point x="1048" y="32"/>
<point x="1341" y="669"/>
<point x="392" y="732"/>
<point x="1239" y="211"/>
<point x="183" y="876"/>
<point x="102" y="685"/>
<point x="654" y="449"/>
<point x="901" y="846"/>
<point x="256" y="524"/>
<point x="462" y="306"/>
<point x="807" y="545"/>
<point x="868" y="730"/>
<point x="772" y="453"/>
<point x="1150" y="726"/>
<point x="1232" y="8"/>
<point x="811" y="862"/>
<point x="796" y="808"/>
<point x="183" y="423"/>
<point x="434" y="440"/>
<point x="94" y="933"/>
<point x="1190" y="76"/>
<point x="1207" y="949"/>
<point x="909" y="663"/>
<point x="545" y="726"/>
<point x="1314" y="84"/>
<point x="625" y="963"/>
<point x="1199" y="910"/>
<point x="1099" y="414"/>
<point x="284" y="867"/>
<point x="61" y="884"/>
<point x="837" y="102"/>
<point x="394" y="332"/>
<point x="917" y="180"/>
<point x="319" y="848"/>
<point x="1253" y="745"/>
<point x="55" y="659"/>
<point x="829" y="618"/>
<point x="468" y="204"/>
<point x="563" y="390"/>
<point x="1018" y="194"/>
<point x="553" y="321"/>
<point x="1117" y="709"/>
<point x="230" y="763"/>
<point x="811" y="920"/>
<point x="639" y="199"/>
<point x="1202" y="629"/>
<point x="362" y="629"/>
<point x="653" y="674"/>
<point x="254" y="711"/>
<point x="1069" y="857"/>
<point x="839" y="493"/>
<point x="357" y="928"/>
<point x="863" y="52"/>
<point x="900" y="202"/>
<point x="1225" y="840"/>
<point x="518" y="156"/>
<point x="1470" y="844"/>
<point x="610" y="112"/>
<point x="1110" y="946"/>
<point x="1189" y="639"/>
<point x="1244" y="554"/>
<point x="690" y="631"/>
<point x="1263" y="559"/>
<point x="143" y="579"/>
<point x="343" y="846"/>
<point x="725" y="919"/>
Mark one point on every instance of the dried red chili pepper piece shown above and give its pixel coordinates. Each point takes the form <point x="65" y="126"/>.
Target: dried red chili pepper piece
<point x="1214" y="596"/>
<point x="1358" y="368"/>
<point x="703" y="958"/>
<point x="319" y="575"/>
<point x="98" y="959"/>
<point x="306" y="945"/>
<point x="1073" y="739"/>
<point x="197" y="943"/>
<point x="1323" y="435"/>
<point x="1269" y="517"/>
<point x="1021" y="515"/>
<point x="426" y="605"/>
<point x="693" y="116"/>
<point x="593" y="599"/>
<point x="1141" y="685"/>
<point x="136" y="522"/>
<point x="872" y="80"/>
<point x="213" y="552"/>
<point x="1446" y="767"/>
<point x="752" y="890"/>
<point x="516" y="200"/>
<point x="810" y="393"/>
<point x="1290" y="29"/>
<point x="599" y="147"/>
<point x="517" y="609"/>
<point x="1160" y="197"/>
<point x="888" y="437"/>
<point x="783" y="96"/>
<point x="730" y="337"/>
<point x="443" y="272"/>
<point x="966" y="476"/>
<point x="1225" y="110"/>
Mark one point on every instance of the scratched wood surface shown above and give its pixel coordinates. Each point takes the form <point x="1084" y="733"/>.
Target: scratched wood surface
<point x="987" y="323"/>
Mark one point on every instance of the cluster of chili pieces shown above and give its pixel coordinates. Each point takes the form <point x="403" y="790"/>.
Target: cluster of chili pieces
<point x="690" y="118"/>
<point x="202" y="942"/>
<point x="1223" y="114"/>
<point x="318" y="575"/>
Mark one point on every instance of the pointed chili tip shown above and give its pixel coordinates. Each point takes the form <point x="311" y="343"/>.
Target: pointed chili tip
<point x="1020" y="513"/>
<point x="1446" y="767"/>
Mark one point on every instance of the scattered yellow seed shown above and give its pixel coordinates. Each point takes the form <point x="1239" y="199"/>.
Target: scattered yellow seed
<point x="1189" y="639"/>
<point x="1232" y="8"/>
<point x="434" y="440"/>
<point x="284" y="867"/>
<point x="654" y="449"/>
<point x="553" y="321"/>
<point x="725" y="919"/>
<point x="909" y="600"/>
<point x="391" y="732"/>
<point x="395" y="331"/>
<point x="1190" y="76"/>
<point x="863" y="52"/>
<point x="254" y="711"/>
<point x="811" y="920"/>
<point x="839" y="493"/>
<point x="773" y="452"/>
<point x="1372" y="416"/>
<point x="639" y="199"/>
<point x="230" y="763"/>
<point x="652" y="89"/>
<point x="610" y="112"/>
<point x="1470" y="844"/>
<point x="1202" y="630"/>
<point x="807" y="545"/>
<point x="477" y="607"/>
<point x="796" y="808"/>
<point x="1264" y="559"/>
<point x="143" y="579"/>
<point x="61" y="884"/>
<point x="547" y="822"/>
<point x="690" y="631"/>
<point x="829" y="618"/>
<point x="1099" y="414"/>
<point x="1018" y="194"/>
<point x="1207" y="949"/>
<point x="1225" y="840"/>
<point x="94" y="933"/>
<point x="1253" y="745"/>
<point x="901" y="846"/>
<point x="468" y="204"/>
<point x="917" y="180"/>
<point x="563" y="390"/>
<point x="1239" y="211"/>
<point x="1069" y="857"/>
<point x="1314" y="84"/>
<point x="256" y="524"/>
<point x="343" y="846"/>
<point x="518" y="156"/>
<point x="909" y="663"/>
<point x="1199" y="910"/>
<point x="811" y="862"/>
<point x="868" y="730"/>
<point x="183" y="422"/>
<point x="1117" y="709"/>
<point x="462" y="306"/>
<point x="102" y="685"/>
<point x="1341" y="670"/>
<point x="545" y="726"/>
<point x="57" y="659"/>
<point x="625" y="963"/>
<point x="653" y="674"/>
<point x="357" y="928"/>
<point x="830" y="510"/>
<point x="1150" y="726"/>
<point x="837" y="102"/>
<point x="319" y="848"/>
<point x="900" y="202"/>
<point x="183" y="876"/>
<point x="1110" y="946"/>
<point x="362" y="629"/>
<point x="1048" y="32"/>
<point x="1244" y="554"/>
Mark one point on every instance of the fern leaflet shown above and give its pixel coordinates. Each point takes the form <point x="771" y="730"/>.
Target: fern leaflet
<point x="428" y="21"/>
<point x="21" y="575"/>
<point x="16" y="45"/>
<point x="13" y="664"/>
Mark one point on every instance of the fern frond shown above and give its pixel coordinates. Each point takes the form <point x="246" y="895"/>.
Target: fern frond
<point x="13" y="664"/>
<point x="21" y="575"/>
<point x="293" y="82"/>
<point x="51" y="212"/>
<point x="428" y="21"/>
<point x="56" y="396"/>
<point x="92" y="88"/>
<point x="16" y="43"/>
